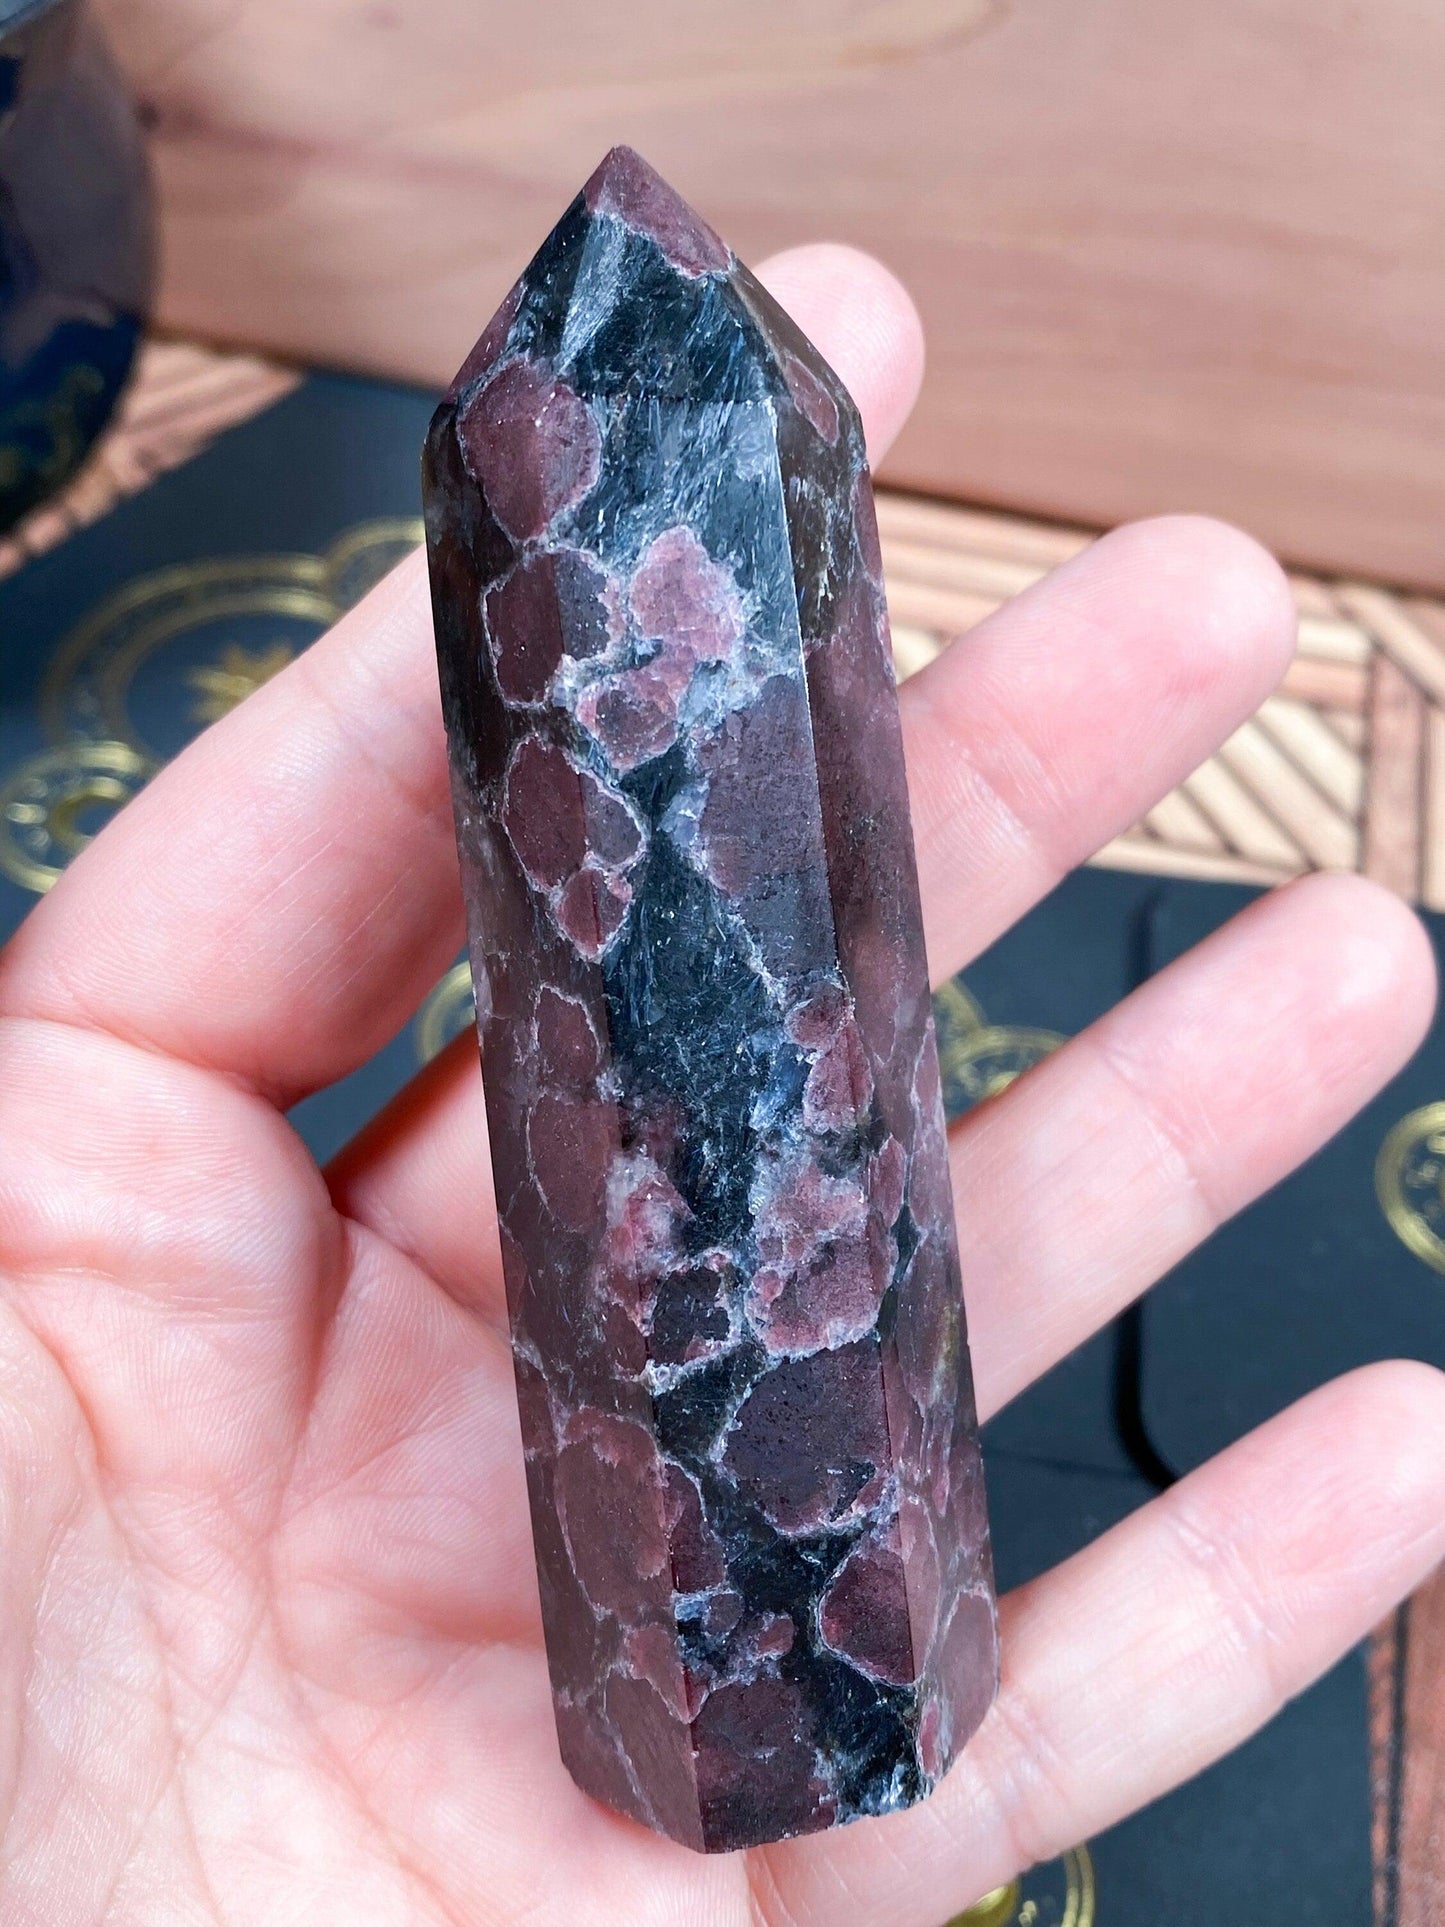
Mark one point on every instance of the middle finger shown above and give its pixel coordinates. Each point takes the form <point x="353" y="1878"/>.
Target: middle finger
<point x="1092" y="1175"/>
<point x="1053" y="725"/>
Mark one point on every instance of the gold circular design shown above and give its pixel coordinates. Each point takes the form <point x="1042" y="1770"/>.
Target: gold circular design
<point x="447" y="1012"/>
<point x="359" y="559"/>
<point x="1059" y="1894"/>
<point x="985" y="1061"/>
<point x="955" y="1010"/>
<point x="998" y="1909"/>
<point x="45" y="801"/>
<point x="100" y="754"/>
<point x="1410" y="1183"/>
<point x="87" y="689"/>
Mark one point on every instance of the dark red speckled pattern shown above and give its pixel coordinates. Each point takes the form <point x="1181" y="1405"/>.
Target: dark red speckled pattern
<point x="711" y="1080"/>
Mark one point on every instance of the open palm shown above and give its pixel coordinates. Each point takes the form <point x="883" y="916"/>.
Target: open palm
<point x="269" y="1637"/>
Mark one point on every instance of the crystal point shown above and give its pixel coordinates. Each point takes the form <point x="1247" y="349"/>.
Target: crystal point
<point x="711" y="1082"/>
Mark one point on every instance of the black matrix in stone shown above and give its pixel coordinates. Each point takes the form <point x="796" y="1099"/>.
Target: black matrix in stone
<point x="711" y="1081"/>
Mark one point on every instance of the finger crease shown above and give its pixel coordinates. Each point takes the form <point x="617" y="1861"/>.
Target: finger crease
<point x="1024" y="1778"/>
<point x="427" y="802"/>
<point x="1173" y="1139"/>
<point x="952" y="747"/>
<point x="1240" y="1624"/>
<point x="766" y="1905"/>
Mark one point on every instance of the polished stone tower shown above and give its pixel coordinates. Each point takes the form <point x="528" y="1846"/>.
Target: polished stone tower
<point x="711" y="1081"/>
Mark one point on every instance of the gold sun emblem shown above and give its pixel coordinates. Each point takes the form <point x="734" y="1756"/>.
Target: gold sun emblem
<point x="219" y="686"/>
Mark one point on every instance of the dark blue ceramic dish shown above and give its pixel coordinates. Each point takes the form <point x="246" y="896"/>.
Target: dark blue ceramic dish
<point x="77" y="248"/>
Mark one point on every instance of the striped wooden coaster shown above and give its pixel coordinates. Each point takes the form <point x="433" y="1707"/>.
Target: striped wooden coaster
<point x="179" y="398"/>
<point x="1343" y="768"/>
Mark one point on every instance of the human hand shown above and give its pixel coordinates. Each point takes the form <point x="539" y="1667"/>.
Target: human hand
<point x="269" y="1636"/>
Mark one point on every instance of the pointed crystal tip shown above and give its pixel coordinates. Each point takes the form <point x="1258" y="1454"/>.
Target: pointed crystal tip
<point x="624" y="186"/>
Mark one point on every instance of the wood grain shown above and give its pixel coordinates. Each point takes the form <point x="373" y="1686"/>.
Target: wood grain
<point x="1397" y="631"/>
<point x="1177" y="822"/>
<point x="1330" y="685"/>
<point x="180" y="397"/>
<point x="1317" y="750"/>
<point x="1407" y="1721"/>
<point x="1246" y="823"/>
<point x="1168" y="257"/>
<point x="1324" y="833"/>
<point x="1391" y="850"/>
<point x="1153" y="858"/>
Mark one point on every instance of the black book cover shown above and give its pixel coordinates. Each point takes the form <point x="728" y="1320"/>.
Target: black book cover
<point x="123" y="643"/>
<point x="1341" y="1264"/>
<point x="1279" y="1830"/>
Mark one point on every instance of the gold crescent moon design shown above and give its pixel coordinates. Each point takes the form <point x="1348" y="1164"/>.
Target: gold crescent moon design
<point x="449" y="1010"/>
<point x="53" y="803"/>
<point x="1410" y="1183"/>
<point x="1058" y="1894"/>
<point x="215" y="630"/>
<point x="955" y="1011"/>
<point x="247" y="615"/>
<point x="978" y="1064"/>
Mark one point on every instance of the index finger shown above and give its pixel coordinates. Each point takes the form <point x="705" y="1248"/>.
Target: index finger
<point x="278" y="901"/>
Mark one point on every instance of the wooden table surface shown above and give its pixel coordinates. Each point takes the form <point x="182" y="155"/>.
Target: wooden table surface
<point x="1168" y="256"/>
